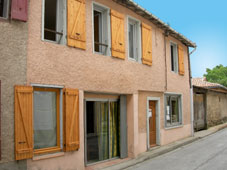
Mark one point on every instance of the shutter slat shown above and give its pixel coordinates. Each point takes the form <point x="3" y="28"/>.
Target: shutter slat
<point x="117" y="34"/>
<point x="76" y="24"/>
<point x="19" y="10"/>
<point x="146" y="44"/>
<point x="181" y="60"/>
<point x="23" y="122"/>
<point x="71" y="120"/>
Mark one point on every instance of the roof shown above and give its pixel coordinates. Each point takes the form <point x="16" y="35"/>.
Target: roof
<point x="201" y="82"/>
<point x="130" y="4"/>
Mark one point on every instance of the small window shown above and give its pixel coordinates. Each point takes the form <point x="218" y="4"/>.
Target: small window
<point x="174" y="57"/>
<point x="4" y="7"/>
<point x="133" y="39"/>
<point x="53" y="21"/>
<point x="173" y="110"/>
<point x="46" y="119"/>
<point x="101" y="29"/>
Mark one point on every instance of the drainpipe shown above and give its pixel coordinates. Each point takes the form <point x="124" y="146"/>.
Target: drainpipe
<point x="166" y="34"/>
<point x="191" y="90"/>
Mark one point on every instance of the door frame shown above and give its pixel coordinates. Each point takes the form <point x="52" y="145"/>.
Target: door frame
<point x="157" y="107"/>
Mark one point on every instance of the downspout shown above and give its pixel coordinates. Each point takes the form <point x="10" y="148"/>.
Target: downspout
<point x="166" y="33"/>
<point x="191" y="90"/>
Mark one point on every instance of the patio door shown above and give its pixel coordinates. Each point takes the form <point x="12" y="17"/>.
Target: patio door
<point x="102" y="130"/>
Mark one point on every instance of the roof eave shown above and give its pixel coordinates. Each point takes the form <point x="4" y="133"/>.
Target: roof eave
<point x="130" y="4"/>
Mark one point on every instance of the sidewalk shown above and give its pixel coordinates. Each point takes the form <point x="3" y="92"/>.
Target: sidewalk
<point x="157" y="151"/>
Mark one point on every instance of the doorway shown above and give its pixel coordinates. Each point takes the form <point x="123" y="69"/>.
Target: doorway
<point x="153" y="122"/>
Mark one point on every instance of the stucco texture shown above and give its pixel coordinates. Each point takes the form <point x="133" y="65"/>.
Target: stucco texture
<point x="216" y="108"/>
<point x="13" y="48"/>
<point x="50" y="63"/>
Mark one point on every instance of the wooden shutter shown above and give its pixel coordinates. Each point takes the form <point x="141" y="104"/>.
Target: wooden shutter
<point x="23" y="122"/>
<point x="146" y="44"/>
<point x="71" y="120"/>
<point x="19" y="10"/>
<point x="181" y="59"/>
<point x="76" y="24"/>
<point x="117" y="34"/>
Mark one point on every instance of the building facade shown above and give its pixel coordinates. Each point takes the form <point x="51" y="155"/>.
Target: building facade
<point x="103" y="80"/>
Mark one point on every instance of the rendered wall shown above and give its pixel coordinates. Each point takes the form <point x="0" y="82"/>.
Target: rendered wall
<point x="13" y="50"/>
<point x="50" y="63"/>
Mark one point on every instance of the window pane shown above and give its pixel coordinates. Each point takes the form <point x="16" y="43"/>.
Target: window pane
<point x="131" y="40"/>
<point x="45" y="133"/>
<point x="175" y="110"/>
<point x="50" y="19"/>
<point x="97" y="131"/>
<point x="97" y="30"/>
<point x="172" y="57"/>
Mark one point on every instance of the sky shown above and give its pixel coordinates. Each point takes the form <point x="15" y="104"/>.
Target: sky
<point x="202" y="21"/>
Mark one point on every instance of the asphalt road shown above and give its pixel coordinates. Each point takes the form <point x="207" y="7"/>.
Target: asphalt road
<point x="209" y="153"/>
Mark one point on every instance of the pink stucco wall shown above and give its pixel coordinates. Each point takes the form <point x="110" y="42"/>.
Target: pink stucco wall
<point x="50" y="63"/>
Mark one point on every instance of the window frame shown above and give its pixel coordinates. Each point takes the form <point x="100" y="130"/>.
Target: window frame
<point x="62" y="19"/>
<point x="180" y="110"/>
<point x="58" y="147"/>
<point x="137" y="34"/>
<point x="175" y="57"/>
<point x="106" y="36"/>
<point x="6" y="12"/>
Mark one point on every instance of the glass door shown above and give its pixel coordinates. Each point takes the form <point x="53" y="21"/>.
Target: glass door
<point x="102" y="130"/>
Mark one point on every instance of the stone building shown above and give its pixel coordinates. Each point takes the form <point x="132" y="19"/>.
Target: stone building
<point x="210" y="103"/>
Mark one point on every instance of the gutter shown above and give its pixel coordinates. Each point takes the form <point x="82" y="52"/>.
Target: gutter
<point x="191" y="90"/>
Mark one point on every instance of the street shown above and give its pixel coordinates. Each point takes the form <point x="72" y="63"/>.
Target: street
<point x="209" y="153"/>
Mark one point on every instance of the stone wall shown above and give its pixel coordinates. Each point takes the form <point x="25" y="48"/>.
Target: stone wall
<point x="216" y="108"/>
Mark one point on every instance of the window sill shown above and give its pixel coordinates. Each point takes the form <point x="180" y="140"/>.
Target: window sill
<point x="132" y="59"/>
<point x="174" y="127"/>
<point x="53" y="155"/>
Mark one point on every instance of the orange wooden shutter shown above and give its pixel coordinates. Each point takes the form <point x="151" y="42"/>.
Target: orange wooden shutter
<point x="181" y="59"/>
<point x="76" y="24"/>
<point x="146" y="44"/>
<point x="71" y="120"/>
<point x="117" y="34"/>
<point x="23" y="122"/>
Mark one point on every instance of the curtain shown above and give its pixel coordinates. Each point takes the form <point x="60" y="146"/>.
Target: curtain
<point x="114" y="129"/>
<point x="45" y="132"/>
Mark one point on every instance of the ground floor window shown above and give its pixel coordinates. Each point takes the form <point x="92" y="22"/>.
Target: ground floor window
<point x="102" y="130"/>
<point x="173" y="110"/>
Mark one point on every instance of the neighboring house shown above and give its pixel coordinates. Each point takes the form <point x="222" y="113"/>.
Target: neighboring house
<point x="210" y="103"/>
<point x="102" y="80"/>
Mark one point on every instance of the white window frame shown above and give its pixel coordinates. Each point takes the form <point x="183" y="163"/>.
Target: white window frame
<point x="180" y="109"/>
<point x="137" y="40"/>
<point x="5" y="10"/>
<point x="106" y="38"/>
<point x="175" y="57"/>
<point x="61" y="22"/>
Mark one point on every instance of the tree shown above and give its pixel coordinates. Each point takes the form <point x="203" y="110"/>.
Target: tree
<point x="217" y="75"/>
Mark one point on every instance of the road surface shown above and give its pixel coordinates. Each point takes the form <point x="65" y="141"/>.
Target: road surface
<point x="209" y="153"/>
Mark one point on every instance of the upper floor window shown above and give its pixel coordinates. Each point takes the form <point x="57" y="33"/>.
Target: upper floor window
<point x="134" y="39"/>
<point x="4" y="7"/>
<point x="53" y="21"/>
<point x="101" y="29"/>
<point x="174" y="57"/>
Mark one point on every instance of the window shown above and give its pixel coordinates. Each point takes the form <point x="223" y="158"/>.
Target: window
<point x="134" y="39"/>
<point x="43" y="122"/>
<point x="174" y="57"/>
<point x="4" y="7"/>
<point x="173" y="110"/>
<point x="53" y="21"/>
<point x="46" y="119"/>
<point x="101" y="29"/>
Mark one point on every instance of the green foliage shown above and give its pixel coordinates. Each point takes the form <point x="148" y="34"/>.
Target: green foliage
<point x="217" y="75"/>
